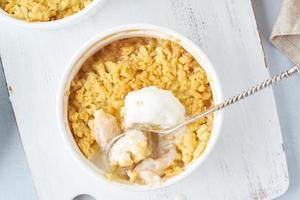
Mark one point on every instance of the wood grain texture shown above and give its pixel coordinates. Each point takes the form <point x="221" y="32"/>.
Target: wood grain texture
<point x="248" y="162"/>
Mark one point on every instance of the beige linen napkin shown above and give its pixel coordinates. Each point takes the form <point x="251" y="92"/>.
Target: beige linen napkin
<point x="286" y="32"/>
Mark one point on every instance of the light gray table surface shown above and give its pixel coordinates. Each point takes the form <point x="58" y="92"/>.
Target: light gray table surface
<point x="15" y="178"/>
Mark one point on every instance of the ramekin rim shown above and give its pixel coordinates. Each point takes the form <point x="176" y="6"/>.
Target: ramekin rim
<point x="218" y="118"/>
<point x="56" y="24"/>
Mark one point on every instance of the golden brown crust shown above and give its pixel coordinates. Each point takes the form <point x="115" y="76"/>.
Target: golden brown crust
<point x="42" y="10"/>
<point x="131" y="64"/>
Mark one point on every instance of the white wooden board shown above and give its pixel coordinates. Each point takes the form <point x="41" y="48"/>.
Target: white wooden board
<point x="249" y="160"/>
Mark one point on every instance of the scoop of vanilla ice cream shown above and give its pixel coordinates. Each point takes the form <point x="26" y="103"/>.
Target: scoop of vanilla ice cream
<point x="152" y="106"/>
<point x="130" y="149"/>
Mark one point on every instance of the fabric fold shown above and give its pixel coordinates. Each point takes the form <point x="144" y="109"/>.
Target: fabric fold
<point x="286" y="32"/>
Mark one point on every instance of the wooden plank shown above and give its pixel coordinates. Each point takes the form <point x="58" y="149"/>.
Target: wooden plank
<point x="248" y="162"/>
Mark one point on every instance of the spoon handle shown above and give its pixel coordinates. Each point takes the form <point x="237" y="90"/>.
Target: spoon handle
<point x="271" y="81"/>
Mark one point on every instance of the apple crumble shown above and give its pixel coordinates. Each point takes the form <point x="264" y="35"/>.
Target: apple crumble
<point x="134" y="70"/>
<point x="42" y="10"/>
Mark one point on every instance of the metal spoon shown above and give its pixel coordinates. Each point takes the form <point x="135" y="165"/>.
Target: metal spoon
<point x="271" y="81"/>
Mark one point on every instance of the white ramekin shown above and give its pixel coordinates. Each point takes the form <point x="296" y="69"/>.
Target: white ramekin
<point x="105" y="38"/>
<point x="60" y="23"/>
